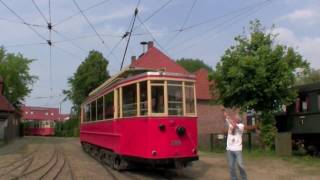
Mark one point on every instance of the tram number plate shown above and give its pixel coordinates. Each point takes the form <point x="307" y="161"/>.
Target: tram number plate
<point x="175" y="143"/>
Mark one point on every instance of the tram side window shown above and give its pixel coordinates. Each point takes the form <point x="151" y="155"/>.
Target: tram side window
<point x="189" y="90"/>
<point x="143" y="98"/>
<point x="157" y="96"/>
<point x="108" y="106"/>
<point x="87" y="113"/>
<point x="175" y="98"/>
<point x="129" y="100"/>
<point x="93" y="111"/>
<point x="100" y="108"/>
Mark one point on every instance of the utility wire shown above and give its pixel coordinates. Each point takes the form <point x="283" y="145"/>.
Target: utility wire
<point x="86" y="37"/>
<point x="79" y="12"/>
<point x="24" y="22"/>
<point x="88" y="21"/>
<point x="154" y="13"/>
<point x="150" y="33"/>
<point x="27" y="44"/>
<point x="66" y="52"/>
<point x="40" y="12"/>
<point x="184" y="23"/>
<point x="50" y="47"/>
<point x="66" y="39"/>
<point x="133" y="22"/>
<point x="229" y="22"/>
<point x="19" y="22"/>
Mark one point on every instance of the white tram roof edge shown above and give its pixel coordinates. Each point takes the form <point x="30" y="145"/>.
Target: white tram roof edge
<point x="149" y="72"/>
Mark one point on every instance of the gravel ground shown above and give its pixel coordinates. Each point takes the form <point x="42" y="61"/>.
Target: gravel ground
<point x="63" y="158"/>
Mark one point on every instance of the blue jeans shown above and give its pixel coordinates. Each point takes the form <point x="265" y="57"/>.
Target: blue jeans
<point x="235" y="157"/>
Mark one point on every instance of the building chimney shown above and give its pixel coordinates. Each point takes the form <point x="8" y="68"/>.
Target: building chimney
<point x="150" y="44"/>
<point x="1" y="85"/>
<point x="133" y="59"/>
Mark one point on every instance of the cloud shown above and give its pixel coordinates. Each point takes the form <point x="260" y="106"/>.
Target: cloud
<point x="307" y="16"/>
<point x="307" y="46"/>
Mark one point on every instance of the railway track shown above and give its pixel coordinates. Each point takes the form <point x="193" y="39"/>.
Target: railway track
<point x="50" y="165"/>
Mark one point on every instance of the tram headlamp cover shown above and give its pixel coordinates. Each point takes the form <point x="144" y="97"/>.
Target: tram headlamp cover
<point x="180" y="130"/>
<point x="162" y="127"/>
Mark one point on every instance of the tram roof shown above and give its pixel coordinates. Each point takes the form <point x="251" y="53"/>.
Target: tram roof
<point x="134" y="72"/>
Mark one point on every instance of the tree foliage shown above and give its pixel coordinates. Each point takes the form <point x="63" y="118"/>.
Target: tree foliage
<point x="193" y="65"/>
<point x="257" y="73"/>
<point x="15" y="71"/>
<point x="89" y="75"/>
<point x="311" y="76"/>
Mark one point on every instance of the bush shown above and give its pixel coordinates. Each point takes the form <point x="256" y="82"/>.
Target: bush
<point x="68" y="128"/>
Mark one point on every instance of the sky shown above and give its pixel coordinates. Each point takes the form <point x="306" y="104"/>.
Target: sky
<point x="201" y="29"/>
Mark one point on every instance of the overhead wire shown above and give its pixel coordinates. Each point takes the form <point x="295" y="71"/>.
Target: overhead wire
<point x="83" y="10"/>
<point x="88" y="21"/>
<point x="151" y="34"/>
<point x="129" y="35"/>
<point x="184" y="23"/>
<point x="50" y="47"/>
<point x="66" y="39"/>
<point x="230" y="22"/>
<point x="40" y="12"/>
<point x="154" y="13"/>
<point x="27" y="44"/>
<point x="27" y="24"/>
<point x="24" y="23"/>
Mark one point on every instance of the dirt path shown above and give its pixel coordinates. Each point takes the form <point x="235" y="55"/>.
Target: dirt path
<point x="63" y="158"/>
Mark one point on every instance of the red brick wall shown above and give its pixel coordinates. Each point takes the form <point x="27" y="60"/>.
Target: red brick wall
<point x="210" y="118"/>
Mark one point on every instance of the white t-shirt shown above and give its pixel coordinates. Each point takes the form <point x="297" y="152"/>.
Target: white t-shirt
<point x="234" y="141"/>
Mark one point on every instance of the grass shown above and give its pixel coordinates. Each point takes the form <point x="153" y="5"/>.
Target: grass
<point x="257" y="154"/>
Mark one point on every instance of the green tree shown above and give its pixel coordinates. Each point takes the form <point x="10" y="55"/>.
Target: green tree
<point x="257" y="73"/>
<point x="193" y="65"/>
<point x="89" y="75"/>
<point x="311" y="76"/>
<point x="15" y="71"/>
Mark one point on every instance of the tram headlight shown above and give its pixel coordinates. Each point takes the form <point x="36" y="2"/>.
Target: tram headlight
<point x="162" y="127"/>
<point x="154" y="153"/>
<point x="181" y="130"/>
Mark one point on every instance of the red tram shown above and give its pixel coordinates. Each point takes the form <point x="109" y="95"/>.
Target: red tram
<point x="40" y="128"/>
<point x="142" y="116"/>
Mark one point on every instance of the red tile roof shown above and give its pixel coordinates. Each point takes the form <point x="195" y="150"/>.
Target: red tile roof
<point x="5" y="105"/>
<point x="155" y="59"/>
<point x="202" y="84"/>
<point x="40" y="113"/>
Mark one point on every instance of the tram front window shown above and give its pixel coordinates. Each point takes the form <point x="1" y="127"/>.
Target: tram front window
<point x="175" y="98"/>
<point x="190" y="106"/>
<point x="157" y="98"/>
<point x="129" y="100"/>
<point x="143" y="98"/>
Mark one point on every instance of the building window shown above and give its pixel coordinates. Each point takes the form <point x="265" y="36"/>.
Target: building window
<point x="108" y="106"/>
<point x="157" y="96"/>
<point x="190" y="104"/>
<point x="100" y="108"/>
<point x="175" y="98"/>
<point x="129" y="100"/>
<point x="143" y="98"/>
